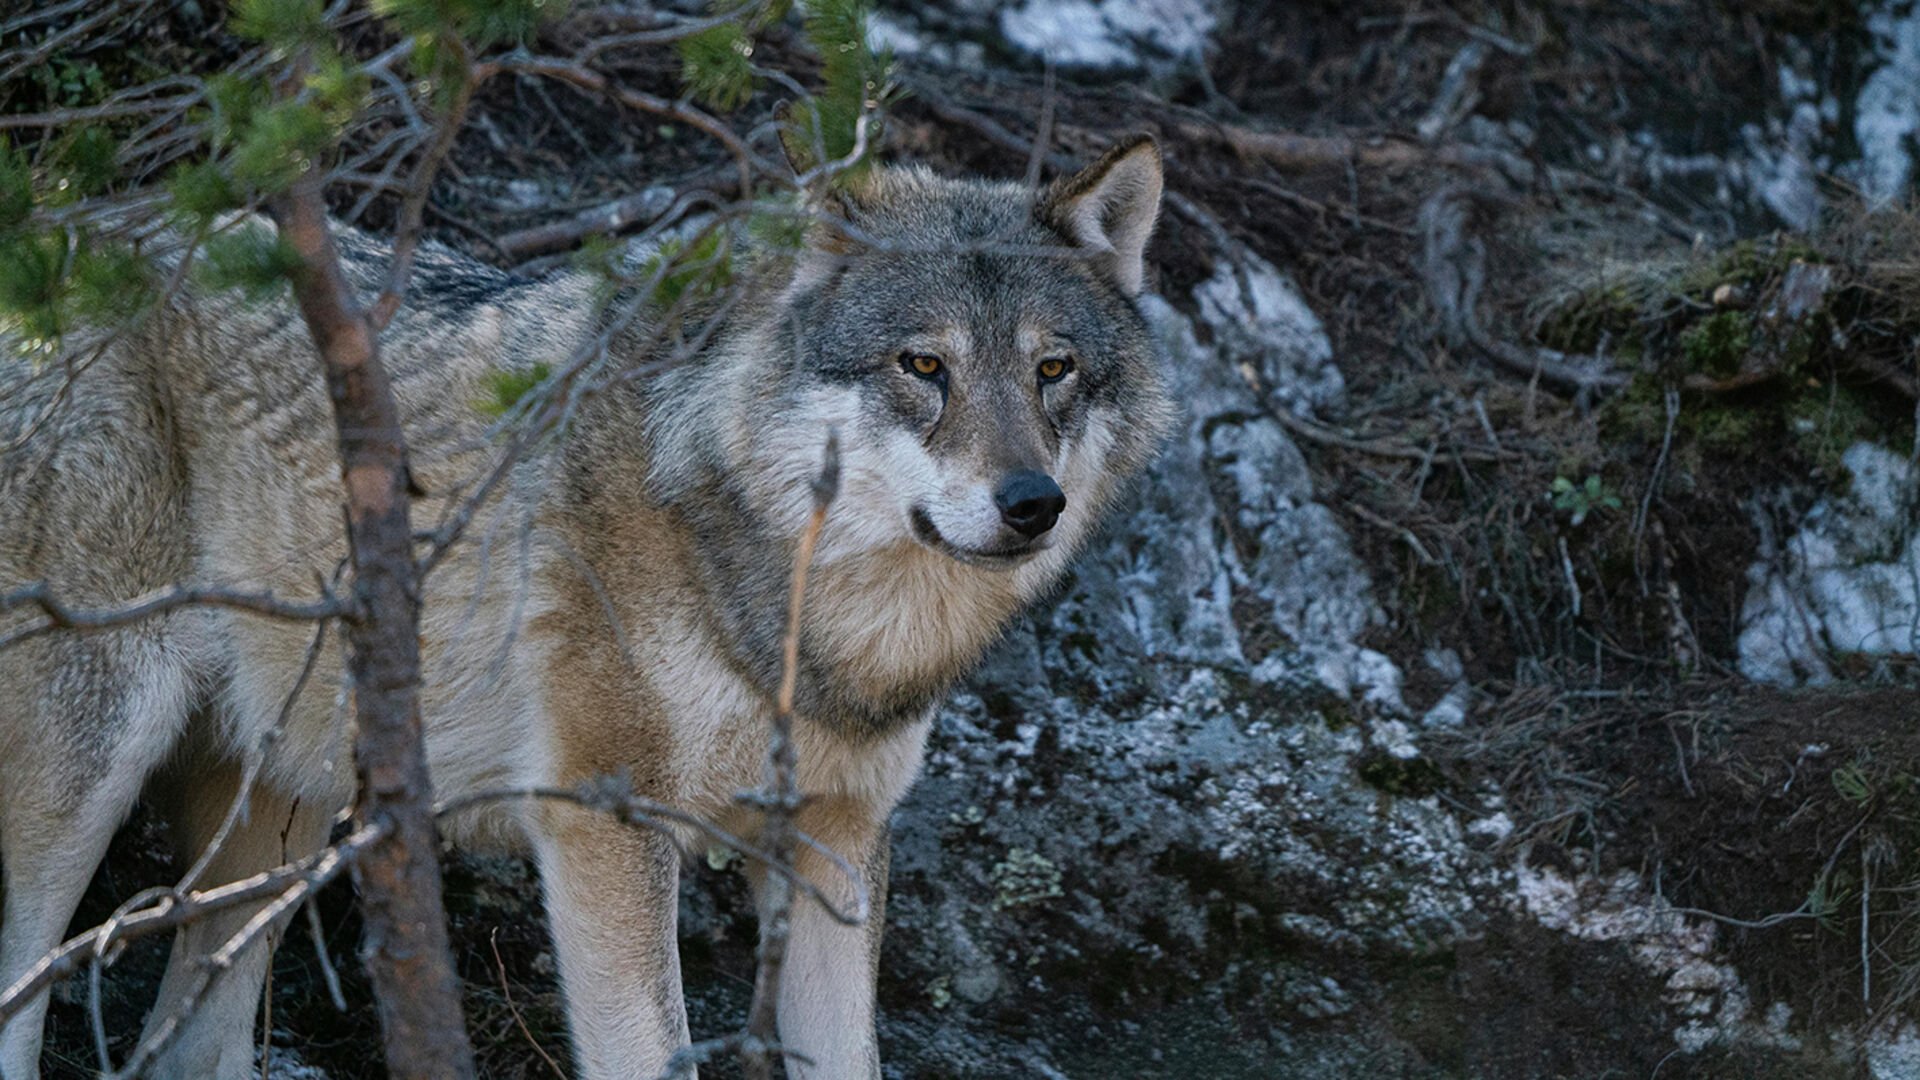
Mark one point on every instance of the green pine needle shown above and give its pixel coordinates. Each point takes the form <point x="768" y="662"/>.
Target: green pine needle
<point x="281" y="142"/>
<point x="202" y="191"/>
<point x="499" y="22"/>
<point x="284" y="24"/>
<point x="717" y="66"/>
<point x="778" y="226"/>
<point x="253" y="259"/>
<point x="854" y="76"/>
<point x="33" y="285"/>
<point x="111" y="283"/>
<point x="234" y="101"/>
<point x="16" y="188"/>
<point x="697" y="271"/>
<point x="339" y="88"/>
<point x="83" y="163"/>
<point x="482" y="23"/>
<point x="506" y="387"/>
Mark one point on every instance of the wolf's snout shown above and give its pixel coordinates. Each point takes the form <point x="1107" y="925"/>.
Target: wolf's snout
<point x="1030" y="502"/>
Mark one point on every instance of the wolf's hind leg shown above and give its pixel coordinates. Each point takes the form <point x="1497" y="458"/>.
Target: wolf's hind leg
<point x="99" y="726"/>
<point x="216" y="1041"/>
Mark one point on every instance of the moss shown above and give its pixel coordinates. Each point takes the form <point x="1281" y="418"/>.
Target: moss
<point x="1337" y="714"/>
<point x="1798" y="349"/>
<point x="1822" y="424"/>
<point x="1749" y="262"/>
<point x="1410" y="777"/>
<point x="1717" y="344"/>
<point x="1638" y="414"/>
<point x="1730" y="430"/>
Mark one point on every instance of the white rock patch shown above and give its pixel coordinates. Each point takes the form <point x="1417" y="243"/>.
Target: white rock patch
<point x="1700" y="988"/>
<point x="1846" y="581"/>
<point x="1111" y="34"/>
<point x="1887" y="112"/>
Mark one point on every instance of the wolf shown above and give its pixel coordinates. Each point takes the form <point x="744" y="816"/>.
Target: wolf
<point x="978" y="347"/>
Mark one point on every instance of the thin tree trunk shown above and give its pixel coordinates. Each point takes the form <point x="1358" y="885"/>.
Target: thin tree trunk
<point x="406" y="949"/>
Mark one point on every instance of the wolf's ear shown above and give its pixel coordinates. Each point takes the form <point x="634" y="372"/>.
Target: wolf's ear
<point x="1109" y="208"/>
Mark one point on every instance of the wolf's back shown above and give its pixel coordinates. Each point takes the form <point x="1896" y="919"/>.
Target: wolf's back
<point x="92" y="491"/>
<point x="198" y="442"/>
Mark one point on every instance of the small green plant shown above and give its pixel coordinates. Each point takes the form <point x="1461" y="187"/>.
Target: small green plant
<point x="1831" y="893"/>
<point x="68" y="82"/>
<point x="1583" y="499"/>
<point x="507" y="386"/>
<point x="1853" y="783"/>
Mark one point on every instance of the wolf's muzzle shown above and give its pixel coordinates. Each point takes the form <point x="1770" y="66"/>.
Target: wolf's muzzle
<point x="1030" y="502"/>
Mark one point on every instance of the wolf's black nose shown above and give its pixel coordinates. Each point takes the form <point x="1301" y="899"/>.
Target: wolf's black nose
<point x="1030" y="502"/>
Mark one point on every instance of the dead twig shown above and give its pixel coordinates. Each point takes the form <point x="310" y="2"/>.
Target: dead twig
<point x="170" y="910"/>
<point x="1325" y="436"/>
<point x="250" y="774"/>
<point x="328" y="973"/>
<point x="112" y="110"/>
<point x="613" y="795"/>
<point x="58" y="616"/>
<point x="653" y="27"/>
<point x="213" y="967"/>
<point x="506" y="991"/>
<point x="413" y="209"/>
<point x="585" y="78"/>
<point x="612" y="218"/>
<point x="781" y="800"/>
<point x="1453" y="264"/>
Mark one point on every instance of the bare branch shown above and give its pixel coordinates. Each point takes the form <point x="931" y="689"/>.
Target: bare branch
<point x="612" y="795"/>
<point x="216" y="965"/>
<point x="607" y="219"/>
<point x="660" y="28"/>
<point x="577" y="74"/>
<point x="90" y="113"/>
<point x="58" y="616"/>
<point x="328" y="974"/>
<point x="781" y="799"/>
<point x="419" y="186"/>
<point x="47" y="46"/>
<point x="171" y="910"/>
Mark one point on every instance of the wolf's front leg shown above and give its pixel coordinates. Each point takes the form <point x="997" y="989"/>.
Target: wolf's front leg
<point x="826" y="991"/>
<point x="612" y="896"/>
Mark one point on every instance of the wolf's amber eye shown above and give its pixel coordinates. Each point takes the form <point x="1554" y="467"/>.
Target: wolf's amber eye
<point x="922" y="365"/>
<point x="1055" y="368"/>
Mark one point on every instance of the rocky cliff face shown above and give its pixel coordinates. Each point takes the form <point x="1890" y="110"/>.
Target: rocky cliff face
<point x="1187" y="819"/>
<point x="1187" y="809"/>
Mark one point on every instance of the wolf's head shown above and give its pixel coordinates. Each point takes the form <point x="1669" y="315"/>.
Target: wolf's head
<point x="977" y="346"/>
